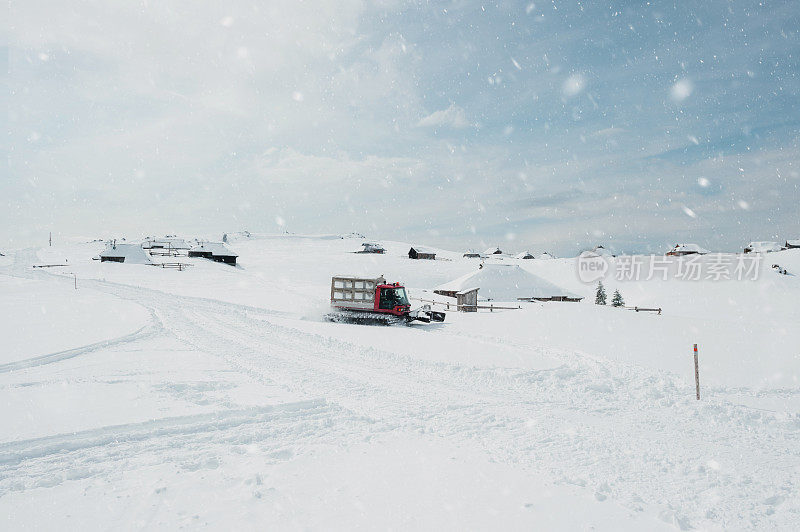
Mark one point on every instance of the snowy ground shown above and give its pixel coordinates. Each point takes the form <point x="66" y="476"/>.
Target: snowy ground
<point x="217" y="396"/>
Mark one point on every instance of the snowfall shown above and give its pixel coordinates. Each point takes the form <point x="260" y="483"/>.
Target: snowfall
<point x="219" y="397"/>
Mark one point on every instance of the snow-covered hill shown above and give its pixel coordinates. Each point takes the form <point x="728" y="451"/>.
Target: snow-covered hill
<point x="218" y="396"/>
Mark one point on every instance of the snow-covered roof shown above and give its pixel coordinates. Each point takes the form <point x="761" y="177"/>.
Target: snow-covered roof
<point x="421" y="249"/>
<point x="793" y="242"/>
<point x="524" y="255"/>
<point x="217" y="249"/>
<point x="168" y="241"/>
<point x="601" y="251"/>
<point x="688" y="248"/>
<point x="492" y="251"/>
<point x="763" y="247"/>
<point x="131" y="253"/>
<point x="466" y="290"/>
<point x="505" y="282"/>
<point x="545" y="256"/>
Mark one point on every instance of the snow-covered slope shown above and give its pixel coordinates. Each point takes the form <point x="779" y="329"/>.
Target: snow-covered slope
<point x="218" y="396"/>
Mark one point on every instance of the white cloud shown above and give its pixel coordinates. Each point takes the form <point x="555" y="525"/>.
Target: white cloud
<point x="681" y="90"/>
<point x="573" y="85"/>
<point x="162" y="112"/>
<point x="453" y="117"/>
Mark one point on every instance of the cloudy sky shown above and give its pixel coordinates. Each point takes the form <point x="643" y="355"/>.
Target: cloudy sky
<point x="547" y="125"/>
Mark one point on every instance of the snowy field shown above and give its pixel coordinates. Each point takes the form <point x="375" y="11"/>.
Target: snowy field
<point x="218" y="396"/>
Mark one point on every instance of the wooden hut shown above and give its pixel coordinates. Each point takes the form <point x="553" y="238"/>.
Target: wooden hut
<point x="216" y="251"/>
<point x="680" y="250"/>
<point x="418" y="252"/>
<point x="762" y="247"/>
<point x="792" y="244"/>
<point x="129" y="253"/>
<point x="372" y="247"/>
<point x="467" y="300"/>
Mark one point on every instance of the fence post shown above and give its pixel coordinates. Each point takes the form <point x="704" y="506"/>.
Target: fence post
<point x="696" y="373"/>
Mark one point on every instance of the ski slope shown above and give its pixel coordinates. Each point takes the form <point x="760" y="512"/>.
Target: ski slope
<point x="224" y="400"/>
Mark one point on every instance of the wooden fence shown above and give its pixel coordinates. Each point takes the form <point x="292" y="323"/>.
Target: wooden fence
<point x="491" y="307"/>
<point x="643" y="309"/>
<point x="160" y="252"/>
<point x="175" y="265"/>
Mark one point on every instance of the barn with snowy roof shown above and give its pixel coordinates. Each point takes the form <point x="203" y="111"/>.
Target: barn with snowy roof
<point x="216" y="251"/>
<point x="679" y="250"/>
<point x="762" y="247"/>
<point x="506" y="282"/>
<point x="419" y="252"/>
<point x="372" y="247"/>
<point x="601" y="251"/>
<point x="127" y="253"/>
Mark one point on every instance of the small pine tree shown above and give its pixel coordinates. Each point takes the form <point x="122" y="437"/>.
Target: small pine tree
<point x="617" y="300"/>
<point x="600" y="297"/>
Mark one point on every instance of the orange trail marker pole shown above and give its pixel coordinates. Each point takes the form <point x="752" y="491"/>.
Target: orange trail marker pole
<point x="696" y="373"/>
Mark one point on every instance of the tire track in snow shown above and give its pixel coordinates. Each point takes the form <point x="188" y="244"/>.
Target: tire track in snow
<point x="618" y="452"/>
<point x="592" y="422"/>
<point x="184" y="440"/>
<point x="153" y="328"/>
<point x="17" y="451"/>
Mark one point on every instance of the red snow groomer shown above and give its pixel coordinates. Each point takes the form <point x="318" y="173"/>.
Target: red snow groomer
<point x="374" y="301"/>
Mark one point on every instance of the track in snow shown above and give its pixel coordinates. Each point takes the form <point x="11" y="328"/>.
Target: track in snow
<point x="623" y="431"/>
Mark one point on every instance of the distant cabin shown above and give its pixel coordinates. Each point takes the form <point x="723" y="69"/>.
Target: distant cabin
<point x="680" y="250"/>
<point x="792" y="244"/>
<point x="546" y="256"/>
<point x="472" y="254"/>
<point x="762" y="247"/>
<point x="525" y="255"/>
<point x="216" y="251"/>
<point x="601" y="251"/>
<point x="372" y="247"/>
<point x="128" y="253"/>
<point x="418" y="252"/>
<point x="493" y="251"/>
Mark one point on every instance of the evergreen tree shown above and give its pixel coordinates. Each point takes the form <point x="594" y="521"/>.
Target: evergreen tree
<point x="617" y="300"/>
<point x="600" y="297"/>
